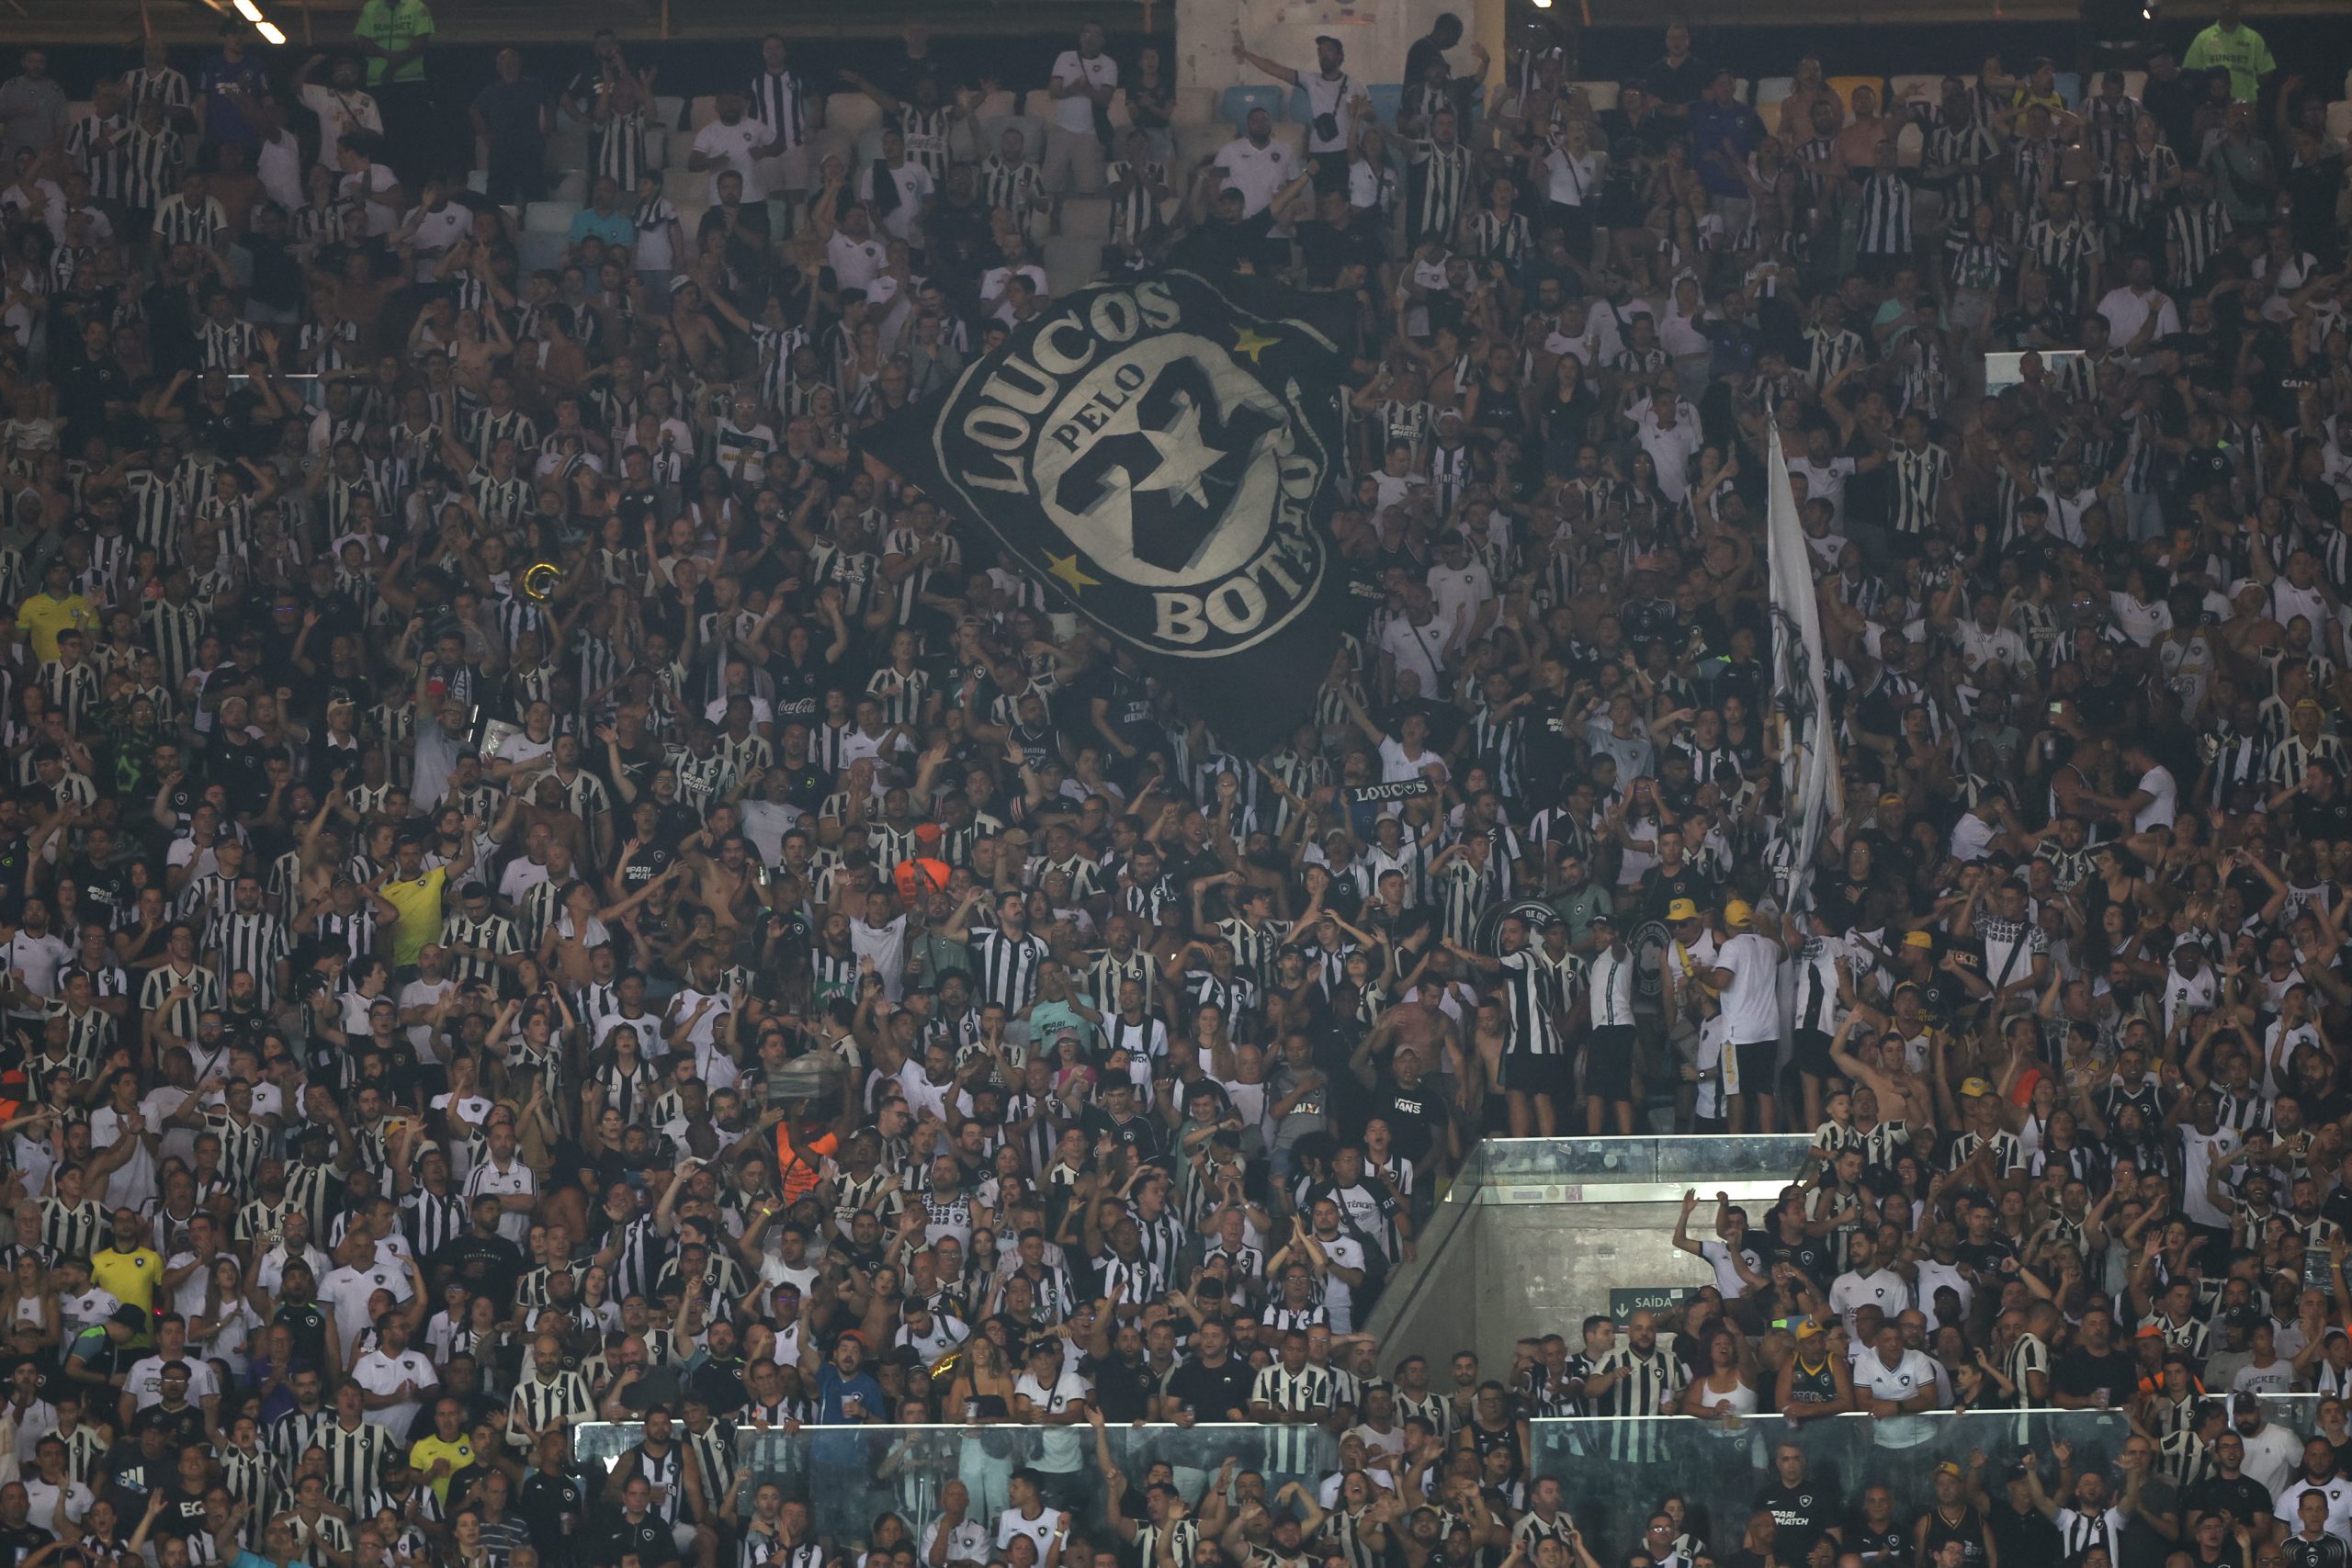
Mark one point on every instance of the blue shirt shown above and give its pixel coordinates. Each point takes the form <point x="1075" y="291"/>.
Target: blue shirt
<point x="1731" y="129"/>
<point x="223" y="120"/>
<point x="613" y="228"/>
<point x="833" y="1388"/>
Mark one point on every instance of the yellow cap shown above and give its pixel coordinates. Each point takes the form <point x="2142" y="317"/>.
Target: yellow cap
<point x="1918" y="938"/>
<point x="1736" y="913"/>
<point x="1682" y="909"/>
<point x="1974" y="1089"/>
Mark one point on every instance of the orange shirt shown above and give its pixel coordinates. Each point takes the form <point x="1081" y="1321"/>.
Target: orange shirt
<point x="799" y="1166"/>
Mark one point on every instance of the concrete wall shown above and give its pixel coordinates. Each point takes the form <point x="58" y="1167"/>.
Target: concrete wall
<point x="1376" y="34"/>
<point x="1500" y="1272"/>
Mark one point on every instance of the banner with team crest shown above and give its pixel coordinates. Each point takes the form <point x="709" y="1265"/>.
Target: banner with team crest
<point x="1164" y="454"/>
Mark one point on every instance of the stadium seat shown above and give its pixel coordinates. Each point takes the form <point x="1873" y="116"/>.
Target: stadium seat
<point x="2069" y="84"/>
<point x="999" y="105"/>
<point x="2134" y="83"/>
<point x="1194" y="143"/>
<point x="1930" y="85"/>
<point x="852" y="113"/>
<point x="781" y="215"/>
<point x="1193" y="106"/>
<point x="1601" y="96"/>
<point x="1292" y="137"/>
<point x="2339" y="119"/>
<point x="550" y="217"/>
<point x="1910" y="142"/>
<point x="1071" y="262"/>
<point x="825" y="143"/>
<point x="682" y="185"/>
<point x="1844" y="88"/>
<point x="1240" y="101"/>
<point x="1118" y="112"/>
<point x="571" y="186"/>
<point x="538" y="251"/>
<point x="1773" y="91"/>
<point x="1038" y="102"/>
<point x="1087" y="217"/>
<point x="657" y="148"/>
<point x="478" y="181"/>
<point x="1388" y="100"/>
<point x="1033" y="134"/>
<point x="669" y="110"/>
<point x="567" y="149"/>
<point x="702" y="111"/>
<point x="1743" y="90"/>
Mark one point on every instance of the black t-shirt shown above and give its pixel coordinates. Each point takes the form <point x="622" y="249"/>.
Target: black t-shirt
<point x="2244" y="1499"/>
<point x="1888" y="1547"/>
<point x="2080" y="1374"/>
<point x="1209" y="1393"/>
<point x="1331" y="247"/>
<point x="180" y="1427"/>
<point x="543" y="1504"/>
<point x="1414" y="1114"/>
<point x="647" y="1538"/>
<point x="1801" y="1515"/>
<point x="21" y="1543"/>
<point x="1810" y="1253"/>
<point x="183" y="1514"/>
<point x="1674" y="83"/>
<point x="2022" y="1535"/>
<point x="1122" y="1389"/>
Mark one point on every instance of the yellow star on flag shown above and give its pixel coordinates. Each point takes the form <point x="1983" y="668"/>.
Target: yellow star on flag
<point x="1253" y="343"/>
<point x="1067" y="569"/>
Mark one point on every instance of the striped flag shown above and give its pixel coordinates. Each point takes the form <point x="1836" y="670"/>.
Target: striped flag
<point x="1807" y="748"/>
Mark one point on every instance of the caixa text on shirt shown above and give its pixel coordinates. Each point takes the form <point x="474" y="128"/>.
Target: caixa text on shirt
<point x="1148" y="450"/>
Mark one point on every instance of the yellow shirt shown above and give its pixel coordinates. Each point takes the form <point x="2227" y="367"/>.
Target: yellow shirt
<point x="44" y="616"/>
<point x="131" y="1278"/>
<point x="419" y="903"/>
<point x="421" y="1455"/>
<point x="2240" y="50"/>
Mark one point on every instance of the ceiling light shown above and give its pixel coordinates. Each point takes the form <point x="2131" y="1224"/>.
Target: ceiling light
<point x="270" y="34"/>
<point x="248" y="10"/>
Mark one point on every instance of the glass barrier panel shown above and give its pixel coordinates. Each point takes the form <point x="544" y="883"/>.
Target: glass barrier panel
<point x="853" y="1476"/>
<point x="1614" y="1472"/>
<point x="1780" y="1156"/>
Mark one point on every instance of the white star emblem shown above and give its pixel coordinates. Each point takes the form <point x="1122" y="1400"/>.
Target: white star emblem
<point x="1183" y="457"/>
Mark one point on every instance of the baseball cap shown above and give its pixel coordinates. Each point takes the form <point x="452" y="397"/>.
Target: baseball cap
<point x="1682" y="909"/>
<point x="1890" y="798"/>
<point x="1974" y="1089"/>
<point x="1738" y="913"/>
<point x="130" y="1318"/>
<point x="1810" y="1329"/>
<point x="1603" y="918"/>
<point x="1918" y="939"/>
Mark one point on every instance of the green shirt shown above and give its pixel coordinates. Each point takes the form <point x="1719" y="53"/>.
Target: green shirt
<point x="393" y="26"/>
<point x="1578" y="908"/>
<point x="2241" y="52"/>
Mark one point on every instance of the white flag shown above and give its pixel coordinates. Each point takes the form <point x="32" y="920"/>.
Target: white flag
<point x="1807" y="749"/>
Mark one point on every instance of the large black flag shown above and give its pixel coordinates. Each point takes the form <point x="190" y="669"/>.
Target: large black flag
<point x="1165" y="452"/>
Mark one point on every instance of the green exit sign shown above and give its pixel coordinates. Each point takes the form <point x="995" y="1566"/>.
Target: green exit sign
<point x="1624" y="1301"/>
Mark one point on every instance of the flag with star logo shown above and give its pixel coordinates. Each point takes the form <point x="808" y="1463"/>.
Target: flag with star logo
<point x="1163" y="452"/>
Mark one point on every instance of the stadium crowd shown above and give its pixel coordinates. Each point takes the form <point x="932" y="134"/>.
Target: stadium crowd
<point x="542" y="886"/>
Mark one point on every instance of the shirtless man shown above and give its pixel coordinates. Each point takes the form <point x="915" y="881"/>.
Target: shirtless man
<point x="1902" y="1097"/>
<point x="729" y="885"/>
